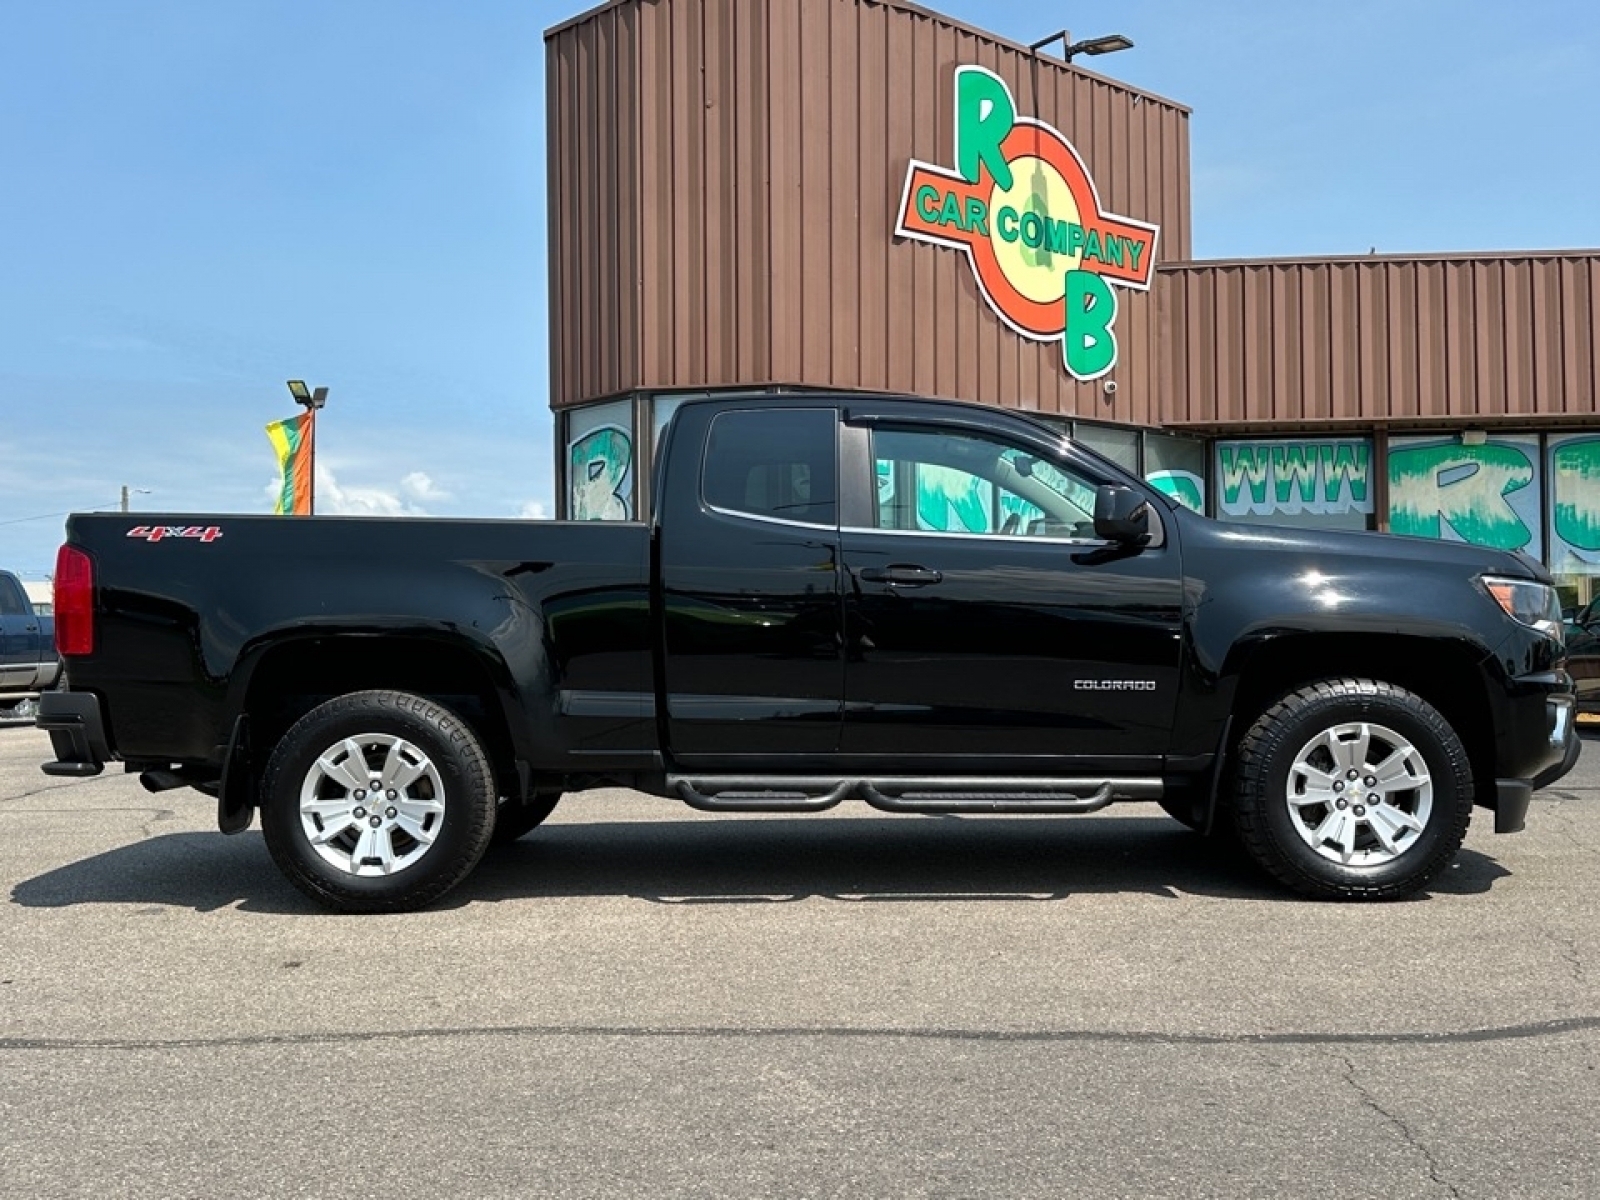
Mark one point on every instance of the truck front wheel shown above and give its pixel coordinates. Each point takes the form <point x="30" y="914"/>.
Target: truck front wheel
<point x="1352" y="789"/>
<point x="378" y="802"/>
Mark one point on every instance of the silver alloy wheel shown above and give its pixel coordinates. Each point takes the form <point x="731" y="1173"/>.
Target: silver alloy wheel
<point x="372" y="804"/>
<point x="1359" y="794"/>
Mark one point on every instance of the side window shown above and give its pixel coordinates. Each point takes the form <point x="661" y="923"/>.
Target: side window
<point x="937" y="480"/>
<point x="10" y="597"/>
<point x="778" y="463"/>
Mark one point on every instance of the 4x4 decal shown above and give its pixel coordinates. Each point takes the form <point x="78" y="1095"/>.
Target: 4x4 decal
<point x="158" y="533"/>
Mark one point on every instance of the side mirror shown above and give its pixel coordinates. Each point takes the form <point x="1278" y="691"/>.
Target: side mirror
<point x="1121" y="515"/>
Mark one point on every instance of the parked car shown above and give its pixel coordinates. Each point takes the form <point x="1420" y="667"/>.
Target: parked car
<point x="923" y="606"/>
<point x="28" y="660"/>
<point x="1583" y="655"/>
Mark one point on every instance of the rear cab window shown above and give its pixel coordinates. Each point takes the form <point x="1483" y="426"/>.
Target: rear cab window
<point x="773" y="464"/>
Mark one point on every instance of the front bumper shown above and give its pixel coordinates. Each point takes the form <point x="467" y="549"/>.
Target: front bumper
<point x="77" y="733"/>
<point x="1547" y="749"/>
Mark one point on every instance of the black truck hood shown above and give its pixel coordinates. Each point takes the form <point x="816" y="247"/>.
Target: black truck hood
<point x="1405" y="552"/>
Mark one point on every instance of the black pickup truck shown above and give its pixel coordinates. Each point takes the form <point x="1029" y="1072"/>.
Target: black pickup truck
<point x="928" y="607"/>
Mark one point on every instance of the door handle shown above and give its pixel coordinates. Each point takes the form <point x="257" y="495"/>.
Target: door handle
<point x="900" y="575"/>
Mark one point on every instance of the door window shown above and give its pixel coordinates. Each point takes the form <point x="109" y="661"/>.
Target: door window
<point x="11" y="602"/>
<point x="953" y="482"/>
<point x="775" y="463"/>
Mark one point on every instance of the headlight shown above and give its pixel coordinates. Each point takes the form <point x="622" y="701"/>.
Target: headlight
<point x="1533" y="604"/>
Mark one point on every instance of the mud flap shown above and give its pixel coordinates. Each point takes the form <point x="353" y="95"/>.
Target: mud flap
<point x="236" y="799"/>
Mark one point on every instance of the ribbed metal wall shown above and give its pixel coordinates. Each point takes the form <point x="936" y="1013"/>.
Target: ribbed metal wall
<point x="595" y="194"/>
<point x="725" y="177"/>
<point x="1504" y="339"/>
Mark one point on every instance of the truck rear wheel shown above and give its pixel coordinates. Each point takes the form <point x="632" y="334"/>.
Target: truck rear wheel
<point x="1352" y="789"/>
<point x="378" y="802"/>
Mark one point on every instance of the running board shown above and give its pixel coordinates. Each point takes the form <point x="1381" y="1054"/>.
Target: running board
<point x="908" y="793"/>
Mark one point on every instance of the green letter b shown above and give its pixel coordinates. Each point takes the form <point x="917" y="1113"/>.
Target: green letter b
<point x="1088" y="346"/>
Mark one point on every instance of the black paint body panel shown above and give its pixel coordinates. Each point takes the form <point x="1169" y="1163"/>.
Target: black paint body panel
<point x="714" y="641"/>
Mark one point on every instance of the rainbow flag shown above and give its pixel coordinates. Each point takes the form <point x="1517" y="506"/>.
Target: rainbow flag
<point x="292" y="439"/>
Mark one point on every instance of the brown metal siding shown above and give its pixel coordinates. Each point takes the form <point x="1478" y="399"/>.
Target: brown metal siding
<point x="725" y="180"/>
<point x="1499" y="339"/>
<point x="594" y="187"/>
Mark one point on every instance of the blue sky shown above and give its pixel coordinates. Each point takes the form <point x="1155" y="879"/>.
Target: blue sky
<point x="207" y="197"/>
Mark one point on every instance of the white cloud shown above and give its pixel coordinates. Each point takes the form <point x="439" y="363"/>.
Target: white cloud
<point x="533" y="510"/>
<point x="339" y="500"/>
<point x="420" y="486"/>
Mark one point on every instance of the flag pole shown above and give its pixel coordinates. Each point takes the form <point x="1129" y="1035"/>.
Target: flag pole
<point x="311" y="457"/>
<point x="313" y="399"/>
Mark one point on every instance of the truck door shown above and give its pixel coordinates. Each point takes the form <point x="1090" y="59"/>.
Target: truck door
<point x="753" y="634"/>
<point x="984" y="618"/>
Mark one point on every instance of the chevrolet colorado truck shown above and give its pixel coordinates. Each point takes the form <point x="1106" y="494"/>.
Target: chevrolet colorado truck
<point x="28" y="662"/>
<point x="925" y="606"/>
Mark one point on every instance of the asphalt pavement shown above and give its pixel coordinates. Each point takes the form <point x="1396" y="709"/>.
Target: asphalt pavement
<point x="640" y="1000"/>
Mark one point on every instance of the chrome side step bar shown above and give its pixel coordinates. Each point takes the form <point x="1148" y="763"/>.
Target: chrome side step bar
<point x="909" y="793"/>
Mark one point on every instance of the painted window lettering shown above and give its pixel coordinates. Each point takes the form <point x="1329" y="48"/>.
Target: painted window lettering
<point x="1324" y="477"/>
<point x="1486" y="494"/>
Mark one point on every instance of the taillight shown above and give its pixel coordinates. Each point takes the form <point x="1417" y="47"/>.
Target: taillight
<point x="74" y="602"/>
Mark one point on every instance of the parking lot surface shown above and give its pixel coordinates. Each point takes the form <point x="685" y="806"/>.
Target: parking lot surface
<point x="642" y="1000"/>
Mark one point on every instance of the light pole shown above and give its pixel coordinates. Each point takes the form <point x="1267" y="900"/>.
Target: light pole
<point x="1109" y="44"/>
<point x="314" y="401"/>
<point x="128" y="491"/>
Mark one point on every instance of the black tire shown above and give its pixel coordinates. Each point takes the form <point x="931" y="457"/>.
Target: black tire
<point x="514" y="820"/>
<point x="449" y="800"/>
<point x="1412" y="791"/>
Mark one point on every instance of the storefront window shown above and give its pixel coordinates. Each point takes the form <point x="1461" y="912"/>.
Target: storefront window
<point x="1317" y="483"/>
<point x="1486" y="493"/>
<point x="600" y="462"/>
<point x="661" y="410"/>
<point x="1572" y="466"/>
<point x="1121" y="446"/>
<point x="1177" y="467"/>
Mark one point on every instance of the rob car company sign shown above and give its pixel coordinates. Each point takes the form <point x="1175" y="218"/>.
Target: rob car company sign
<point x="1021" y="205"/>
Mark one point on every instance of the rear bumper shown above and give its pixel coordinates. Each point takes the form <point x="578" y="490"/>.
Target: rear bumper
<point x="77" y="733"/>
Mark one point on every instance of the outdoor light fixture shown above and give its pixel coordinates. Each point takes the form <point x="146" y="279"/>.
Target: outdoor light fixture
<point x="1109" y="44"/>
<point x="303" y="395"/>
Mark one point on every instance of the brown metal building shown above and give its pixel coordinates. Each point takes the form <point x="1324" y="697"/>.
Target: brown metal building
<point x="731" y="208"/>
<point x="1489" y="340"/>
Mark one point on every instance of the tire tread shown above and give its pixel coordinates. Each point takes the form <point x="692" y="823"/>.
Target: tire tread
<point x="1253" y="763"/>
<point x="479" y="816"/>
